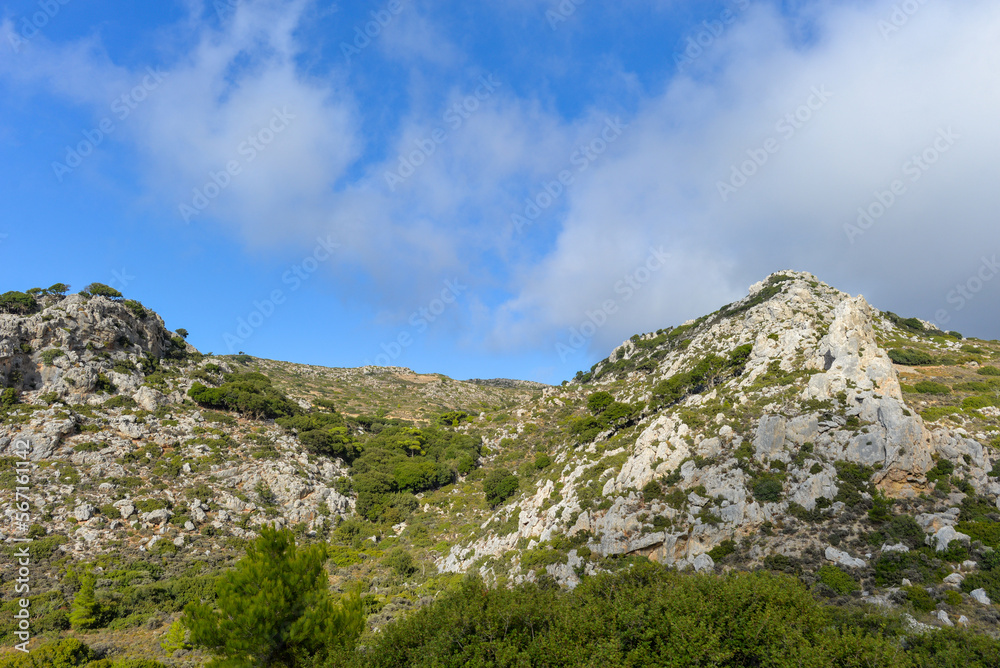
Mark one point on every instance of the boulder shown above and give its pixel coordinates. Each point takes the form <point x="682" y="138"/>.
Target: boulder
<point x="843" y="559"/>
<point x="944" y="536"/>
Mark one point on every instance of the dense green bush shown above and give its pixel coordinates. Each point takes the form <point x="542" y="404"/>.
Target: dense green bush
<point x="649" y="616"/>
<point x="250" y="394"/>
<point x="8" y="398"/>
<point x="65" y="653"/>
<point x="452" y="418"/>
<point x="853" y="480"/>
<point x="837" y="579"/>
<point x="137" y="309"/>
<point x="498" y="486"/>
<point x="400" y="561"/>
<point x="119" y="402"/>
<point x="323" y="433"/>
<point x="18" y="303"/>
<point x="910" y="357"/>
<point x="919" y="597"/>
<point x="767" y="487"/>
<point x="931" y="387"/>
<point x="988" y="371"/>
<point x="101" y="290"/>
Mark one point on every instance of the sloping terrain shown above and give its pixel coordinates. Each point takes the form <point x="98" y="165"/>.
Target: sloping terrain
<point x="799" y="430"/>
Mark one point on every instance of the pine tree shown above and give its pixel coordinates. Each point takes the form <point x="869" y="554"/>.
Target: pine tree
<point x="274" y="608"/>
<point x="174" y="639"/>
<point x="85" y="609"/>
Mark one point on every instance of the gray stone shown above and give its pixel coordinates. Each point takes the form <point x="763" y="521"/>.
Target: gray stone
<point x="842" y="558"/>
<point x="943" y="618"/>
<point x="954" y="579"/>
<point x="867" y="449"/>
<point x="149" y="399"/>
<point x="157" y="516"/>
<point x="83" y="512"/>
<point x="703" y="563"/>
<point x="944" y="536"/>
<point x="981" y="596"/>
<point x="770" y="439"/>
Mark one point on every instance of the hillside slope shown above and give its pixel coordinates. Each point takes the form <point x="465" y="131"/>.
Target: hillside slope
<point x="799" y="429"/>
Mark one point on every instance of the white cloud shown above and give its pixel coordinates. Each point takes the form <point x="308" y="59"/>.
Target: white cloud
<point x="889" y="99"/>
<point x="655" y="185"/>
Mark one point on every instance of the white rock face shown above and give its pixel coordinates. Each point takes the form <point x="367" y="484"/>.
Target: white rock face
<point x="843" y="559"/>
<point x="83" y="512"/>
<point x="149" y="399"/>
<point x="980" y="596"/>
<point x="945" y="535"/>
<point x="943" y="618"/>
<point x="703" y="563"/>
<point x="954" y="579"/>
<point x="855" y="413"/>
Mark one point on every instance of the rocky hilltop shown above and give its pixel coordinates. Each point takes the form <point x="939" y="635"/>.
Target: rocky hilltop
<point x="767" y="455"/>
<point x="799" y="429"/>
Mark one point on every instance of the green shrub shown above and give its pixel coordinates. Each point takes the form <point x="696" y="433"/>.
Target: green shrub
<point x="275" y="608"/>
<point x="837" y="579"/>
<point x="104" y="385"/>
<point x="400" y="561"/>
<point x="921" y="600"/>
<point x="722" y="550"/>
<point x="935" y="413"/>
<point x="652" y="490"/>
<point x="498" y="486"/>
<point x="988" y="371"/>
<point x="65" y="653"/>
<point x="119" y="402"/>
<point x="645" y="615"/>
<point x="17" y="303"/>
<point x="101" y="290"/>
<point x="452" y="418"/>
<point x="8" y="398"/>
<point x="49" y="356"/>
<point x="138" y="310"/>
<point x="124" y="367"/>
<point x="910" y="357"/>
<point x="930" y="387"/>
<point x="975" y="403"/>
<point x="904" y="529"/>
<point x="250" y="394"/>
<point x="599" y="401"/>
<point x="767" y="488"/>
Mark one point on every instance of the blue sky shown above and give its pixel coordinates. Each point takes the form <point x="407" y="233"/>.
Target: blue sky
<point x="496" y="189"/>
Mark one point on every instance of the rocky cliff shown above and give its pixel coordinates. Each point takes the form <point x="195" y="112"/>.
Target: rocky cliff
<point x="763" y="457"/>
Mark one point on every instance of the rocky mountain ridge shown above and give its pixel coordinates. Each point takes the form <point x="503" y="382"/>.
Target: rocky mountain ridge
<point x="797" y="429"/>
<point x="818" y="389"/>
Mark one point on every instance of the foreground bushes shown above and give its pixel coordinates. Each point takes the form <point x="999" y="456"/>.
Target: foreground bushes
<point x="650" y="616"/>
<point x="69" y="653"/>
